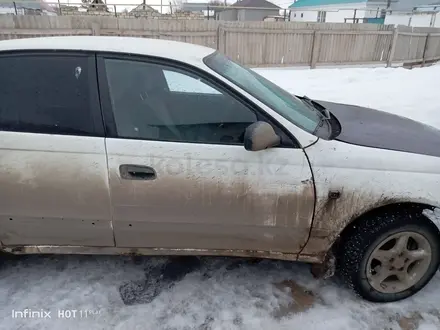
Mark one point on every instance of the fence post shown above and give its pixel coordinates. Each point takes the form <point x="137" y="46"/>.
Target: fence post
<point x="393" y="47"/>
<point x="425" y="48"/>
<point x="95" y="29"/>
<point x="221" y="38"/>
<point x="316" y="49"/>
<point x="218" y="36"/>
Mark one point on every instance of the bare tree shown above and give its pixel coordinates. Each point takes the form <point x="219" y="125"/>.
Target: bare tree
<point x="217" y="4"/>
<point x="175" y="5"/>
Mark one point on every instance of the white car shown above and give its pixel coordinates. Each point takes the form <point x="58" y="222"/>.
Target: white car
<point x="112" y="145"/>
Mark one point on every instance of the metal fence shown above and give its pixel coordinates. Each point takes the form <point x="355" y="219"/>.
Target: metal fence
<point x="253" y="43"/>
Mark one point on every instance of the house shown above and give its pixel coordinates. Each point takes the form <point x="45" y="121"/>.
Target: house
<point x="339" y="11"/>
<point x="420" y="14"/>
<point x="142" y="10"/>
<point x="204" y="8"/>
<point x="249" y="10"/>
<point x="27" y="8"/>
<point x="195" y="6"/>
<point x="97" y="5"/>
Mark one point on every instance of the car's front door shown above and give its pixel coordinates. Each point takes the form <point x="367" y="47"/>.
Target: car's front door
<point x="179" y="174"/>
<point x="53" y="168"/>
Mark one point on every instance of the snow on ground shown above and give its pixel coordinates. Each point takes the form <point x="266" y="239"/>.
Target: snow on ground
<point x="411" y="93"/>
<point x="222" y="293"/>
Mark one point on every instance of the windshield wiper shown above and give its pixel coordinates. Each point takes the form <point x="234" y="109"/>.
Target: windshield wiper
<point x="322" y="110"/>
<point x="325" y="116"/>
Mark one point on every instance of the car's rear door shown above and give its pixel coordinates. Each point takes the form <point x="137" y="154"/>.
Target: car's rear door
<point x="179" y="174"/>
<point x="53" y="171"/>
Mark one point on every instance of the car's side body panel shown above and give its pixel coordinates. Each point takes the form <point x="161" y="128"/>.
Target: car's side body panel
<point x="104" y="250"/>
<point x="366" y="178"/>
<point x="211" y="197"/>
<point x="54" y="190"/>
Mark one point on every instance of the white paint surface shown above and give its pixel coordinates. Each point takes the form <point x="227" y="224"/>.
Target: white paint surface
<point x="187" y="173"/>
<point x="243" y="298"/>
<point x="178" y="51"/>
<point x="336" y="13"/>
<point x="434" y="216"/>
<point x="52" y="174"/>
<point x="419" y="20"/>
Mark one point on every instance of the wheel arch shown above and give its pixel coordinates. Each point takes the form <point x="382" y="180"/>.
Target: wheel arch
<point x="408" y="206"/>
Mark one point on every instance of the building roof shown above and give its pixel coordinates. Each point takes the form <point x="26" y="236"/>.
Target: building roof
<point x="408" y="5"/>
<point x="195" y="6"/>
<point x="428" y="8"/>
<point x="255" y="4"/>
<point x="174" y="50"/>
<point x="317" y="3"/>
<point x="143" y="7"/>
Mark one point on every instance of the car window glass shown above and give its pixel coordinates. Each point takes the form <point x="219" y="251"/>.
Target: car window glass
<point x="159" y="102"/>
<point x="178" y="82"/>
<point x="45" y="94"/>
<point x="279" y="100"/>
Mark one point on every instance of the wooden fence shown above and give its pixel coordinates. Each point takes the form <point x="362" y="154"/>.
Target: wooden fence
<point x="254" y="43"/>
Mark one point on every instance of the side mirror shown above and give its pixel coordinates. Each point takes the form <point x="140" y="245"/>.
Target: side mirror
<point x="260" y="136"/>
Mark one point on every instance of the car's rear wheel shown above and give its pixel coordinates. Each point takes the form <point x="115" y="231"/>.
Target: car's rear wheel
<point x="391" y="256"/>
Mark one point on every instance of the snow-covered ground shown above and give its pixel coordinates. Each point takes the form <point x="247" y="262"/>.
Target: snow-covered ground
<point x="222" y="293"/>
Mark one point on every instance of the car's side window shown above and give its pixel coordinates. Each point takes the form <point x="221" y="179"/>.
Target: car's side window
<point x="160" y="102"/>
<point x="46" y="93"/>
<point x="179" y="82"/>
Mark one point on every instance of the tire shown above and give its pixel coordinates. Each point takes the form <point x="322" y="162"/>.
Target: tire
<point x="372" y="237"/>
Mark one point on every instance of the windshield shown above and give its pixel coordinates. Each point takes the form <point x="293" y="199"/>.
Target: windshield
<point x="284" y="103"/>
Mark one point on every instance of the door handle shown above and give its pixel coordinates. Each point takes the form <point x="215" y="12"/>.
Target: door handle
<point x="137" y="172"/>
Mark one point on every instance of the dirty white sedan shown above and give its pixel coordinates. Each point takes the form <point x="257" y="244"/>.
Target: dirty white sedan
<point x="134" y="146"/>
